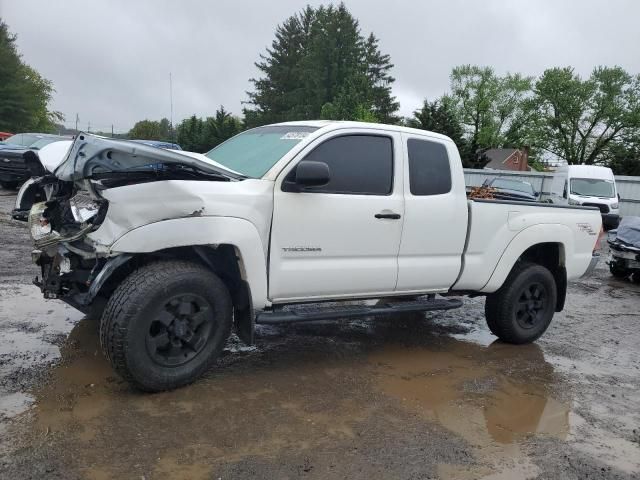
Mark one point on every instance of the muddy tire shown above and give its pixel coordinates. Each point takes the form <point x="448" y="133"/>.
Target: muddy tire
<point x="522" y="309"/>
<point x="618" y="271"/>
<point x="166" y="324"/>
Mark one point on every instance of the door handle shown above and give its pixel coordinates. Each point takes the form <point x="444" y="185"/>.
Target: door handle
<point x="391" y="216"/>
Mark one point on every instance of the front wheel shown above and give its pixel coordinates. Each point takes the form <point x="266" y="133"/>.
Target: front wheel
<point x="522" y="309"/>
<point x="166" y="324"/>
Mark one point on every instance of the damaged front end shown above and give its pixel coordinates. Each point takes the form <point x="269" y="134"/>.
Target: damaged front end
<point x="68" y="261"/>
<point x="73" y="266"/>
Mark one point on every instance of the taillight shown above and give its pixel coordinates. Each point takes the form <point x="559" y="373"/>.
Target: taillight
<point x="598" y="246"/>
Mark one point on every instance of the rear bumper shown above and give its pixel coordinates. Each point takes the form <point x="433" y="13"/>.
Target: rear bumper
<point x="610" y="220"/>
<point x="595" y="258"/>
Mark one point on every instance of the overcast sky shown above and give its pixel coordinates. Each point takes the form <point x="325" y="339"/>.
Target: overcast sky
<point x="110" y="60"/>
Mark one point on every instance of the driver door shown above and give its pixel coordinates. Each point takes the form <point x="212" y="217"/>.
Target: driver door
<point x="342" y="238"/>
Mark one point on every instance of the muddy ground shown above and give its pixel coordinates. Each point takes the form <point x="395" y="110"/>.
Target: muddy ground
<point x="411" y="397"/>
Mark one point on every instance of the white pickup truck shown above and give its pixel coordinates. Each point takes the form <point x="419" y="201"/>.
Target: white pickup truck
<point x="176" y="249"/>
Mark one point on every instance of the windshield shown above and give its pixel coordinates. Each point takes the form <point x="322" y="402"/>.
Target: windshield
<point x="22" y="139"/>
<point x="513" y="185"/>
<point x="592" y="187"/>
<point x="254" y="152"/>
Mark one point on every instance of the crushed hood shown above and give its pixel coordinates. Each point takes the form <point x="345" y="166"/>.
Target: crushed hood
<point x="53" y="154"/>
<point x="90" y="155"/>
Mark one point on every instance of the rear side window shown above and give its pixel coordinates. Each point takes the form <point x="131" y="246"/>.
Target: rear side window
<point x="429" y="169"/>
<point x="358" y="164"/>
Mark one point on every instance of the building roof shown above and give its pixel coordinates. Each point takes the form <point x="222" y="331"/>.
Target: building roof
<point x="498" y="156"/>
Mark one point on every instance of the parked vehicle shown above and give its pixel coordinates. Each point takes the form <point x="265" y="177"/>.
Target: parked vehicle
<point x="24" y="140"/>
<point x="159" y="144"/>
<point x="512" y="189"/>
<point x="4" y="136"/>
<point x="178" y="249"/>
<point x="13" y="169"/>
<point x="624" y="243"/>
<point x="588" y="185"/>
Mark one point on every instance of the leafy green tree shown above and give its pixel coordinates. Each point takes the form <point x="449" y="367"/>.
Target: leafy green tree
<point x="624" y="156"/>
<point x="320" y="65"/>
<point x="145" y="130"/>
<point x="581" y="121"/>
<point x="24" y="93"/>
<point x="495" y="111"/>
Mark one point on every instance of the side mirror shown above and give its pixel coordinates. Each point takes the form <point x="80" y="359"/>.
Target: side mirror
<point x="312" y="174"/>
<point x="536" y="194"/>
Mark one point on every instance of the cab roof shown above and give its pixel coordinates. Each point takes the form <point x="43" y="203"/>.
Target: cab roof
<point x="328" y="125"/>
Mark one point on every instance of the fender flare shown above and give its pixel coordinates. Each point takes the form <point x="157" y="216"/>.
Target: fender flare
<point x="192" y="231"/>
<point x="534" y="235"/>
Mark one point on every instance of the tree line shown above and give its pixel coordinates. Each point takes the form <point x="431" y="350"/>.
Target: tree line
<point x="24" y="93"/>
<point x="320" y="64"/>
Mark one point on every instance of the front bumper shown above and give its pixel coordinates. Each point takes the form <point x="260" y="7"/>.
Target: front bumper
<point x="595" y="258"/>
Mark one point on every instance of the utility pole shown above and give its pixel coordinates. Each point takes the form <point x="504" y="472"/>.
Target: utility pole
<point x="111" y="130"/>
<point x="89" y="127"/>
<point x="77" y="120"/>
<point x="171" y="106"/>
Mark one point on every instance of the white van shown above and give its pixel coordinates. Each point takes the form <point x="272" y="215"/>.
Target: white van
<point x="590" y="186"/>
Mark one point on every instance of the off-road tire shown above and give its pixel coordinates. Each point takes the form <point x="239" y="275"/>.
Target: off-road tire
<point x="125" y="323"/>
<point x="617" y="271"/>
<point x="502" y="305"/>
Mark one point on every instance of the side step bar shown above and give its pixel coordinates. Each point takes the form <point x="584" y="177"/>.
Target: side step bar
<point x="315" y="312"/>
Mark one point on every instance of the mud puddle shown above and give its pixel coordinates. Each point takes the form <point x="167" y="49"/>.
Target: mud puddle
<point x="428" y="397"/>
<point x="30" y="328"/>
<point x="268" y="406"/>
<point x="466" y="388"/>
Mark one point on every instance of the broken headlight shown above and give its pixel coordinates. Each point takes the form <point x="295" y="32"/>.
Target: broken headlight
<point x="83" y="207"/>
<point x="39" y="226"/>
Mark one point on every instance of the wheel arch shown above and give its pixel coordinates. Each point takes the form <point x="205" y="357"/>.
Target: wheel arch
<point x="230" y="247"/>
<point x="549" y="250"/>
<point x="223" y="260"/>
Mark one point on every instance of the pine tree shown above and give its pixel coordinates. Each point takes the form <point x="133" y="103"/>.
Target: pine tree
<point x="320" y="65"/>
<point x="219" y="128"/>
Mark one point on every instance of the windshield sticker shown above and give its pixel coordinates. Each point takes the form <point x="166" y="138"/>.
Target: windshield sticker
<point x="294" y="135"/>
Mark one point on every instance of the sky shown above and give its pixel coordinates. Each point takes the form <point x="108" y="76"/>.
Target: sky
<point x="110" y="61"/>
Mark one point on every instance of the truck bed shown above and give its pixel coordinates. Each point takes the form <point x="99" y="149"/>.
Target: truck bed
<point x="497" y="228"/>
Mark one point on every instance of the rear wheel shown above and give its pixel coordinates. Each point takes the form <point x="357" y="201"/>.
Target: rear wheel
<point x="522" y="309"/>
<point x="166" y="324"/>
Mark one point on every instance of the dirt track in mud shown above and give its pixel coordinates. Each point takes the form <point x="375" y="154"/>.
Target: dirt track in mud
<point x="412" y="396"/>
